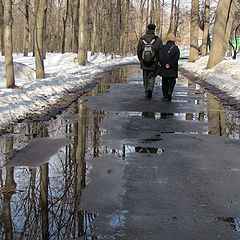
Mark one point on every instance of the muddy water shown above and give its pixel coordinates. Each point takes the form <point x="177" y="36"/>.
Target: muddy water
<point x="46" y="165"/>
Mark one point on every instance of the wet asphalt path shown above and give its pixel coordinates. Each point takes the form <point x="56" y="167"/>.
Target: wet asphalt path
<point x="115" y="165"/>
<point x="173" y="179"/>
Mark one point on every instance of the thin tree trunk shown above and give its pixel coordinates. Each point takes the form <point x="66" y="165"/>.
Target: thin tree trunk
<point x="26" y="28"/>
<point x="176" y="17"/>
<point x="152" y="15"/>
<point x="75" y="19"/>
<point x="41" y="8"/>
<point x="193" y="56"/>
<point x="221" y="31"/>
<point x="110" y="27"/>
<point x="119" y="25"/>
<point x="206" y="28"/>
<point x="161" y="19"/>
<point x="10" y="79"/>
<point x="158" y="16"/>
<point x="125" y="40"/>
<point x="171" y="27"/>
<point x="64" y="19"/>
<point x="147" y="14"/>
<point x="83" y="32"/>
<point x="1" y="27"/>
<point x="94" y="32"/>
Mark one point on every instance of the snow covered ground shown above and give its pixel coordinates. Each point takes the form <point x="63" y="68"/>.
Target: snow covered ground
<point x="64" y="75"/>
<point x="224" y="76"/>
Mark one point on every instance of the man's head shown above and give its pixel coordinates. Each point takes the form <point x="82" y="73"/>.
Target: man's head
<point x="151" y="26"/>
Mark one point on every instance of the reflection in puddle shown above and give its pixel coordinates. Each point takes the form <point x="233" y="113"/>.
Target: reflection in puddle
<point x="148" y="150"/>
<point x="234" y="222"/>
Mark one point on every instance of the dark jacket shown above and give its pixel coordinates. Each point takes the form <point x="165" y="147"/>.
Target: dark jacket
<point x="157" y="46"/>
<point x="169" y="58"/>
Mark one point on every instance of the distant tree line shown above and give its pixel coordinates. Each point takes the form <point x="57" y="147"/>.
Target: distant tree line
<point x="108" y="26"/>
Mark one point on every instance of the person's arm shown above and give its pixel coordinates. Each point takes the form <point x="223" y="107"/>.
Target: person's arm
<point x="162" y="59"/>
<point x="173" y="57"/>
<point x="139" y="50"/>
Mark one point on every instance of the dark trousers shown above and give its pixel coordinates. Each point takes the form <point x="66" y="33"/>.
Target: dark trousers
<point x="149" y="79"/>
<point x="168" y="84"/>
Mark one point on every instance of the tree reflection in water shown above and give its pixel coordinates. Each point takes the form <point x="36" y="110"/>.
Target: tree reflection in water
<point x="44" y="204"/>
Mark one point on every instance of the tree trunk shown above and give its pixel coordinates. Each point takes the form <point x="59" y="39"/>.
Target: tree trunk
<point x="26" y="28"/>
<point x="221" y="31"/>
<point x="119" y="25"/>
<point x="176" y="17"/>
<point x="147" y="14"/>
<point x="1" y="27"/>
<point x="193" y="55"/>
<point x="75" y="19"/>
<point x="152" y="11"/>
<point x="10" y="79"/>
<point x="171" y="27"/>
<point x="64" y="19"/>
<point x="158" y="16"/>
<point x="125" y="39"/>
<point x="83" y="32"/>
<point x="161" y="19"/>
<point x="141" y="18"/>
<point x="204" y="49"/>
<point x="41" y="8"/>
<point x="110" y="28"/>
<point x="94" y="32"/>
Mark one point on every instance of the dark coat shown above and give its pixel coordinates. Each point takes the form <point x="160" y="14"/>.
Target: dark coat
<point x="157" y="46"/>
<point x="169" y="58"/>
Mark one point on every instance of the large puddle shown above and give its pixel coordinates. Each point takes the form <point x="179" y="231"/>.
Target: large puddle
<point x="45" y="165"/>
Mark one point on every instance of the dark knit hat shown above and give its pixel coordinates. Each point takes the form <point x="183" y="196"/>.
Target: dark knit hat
<point x="151" y="26"/>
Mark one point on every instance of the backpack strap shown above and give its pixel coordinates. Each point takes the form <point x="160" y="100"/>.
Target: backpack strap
<point x="169" y="50"/>
<point x="144" y="42"/>
<point x="151" y="42"/>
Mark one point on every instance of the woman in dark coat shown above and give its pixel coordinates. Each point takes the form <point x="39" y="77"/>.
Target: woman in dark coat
<point x="168" y="57"/>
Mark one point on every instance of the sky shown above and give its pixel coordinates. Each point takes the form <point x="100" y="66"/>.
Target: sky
<point x="63" y="75"/>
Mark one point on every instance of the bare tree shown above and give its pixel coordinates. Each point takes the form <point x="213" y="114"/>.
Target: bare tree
<point x="1" y="27"/>
<point x="26" y="28"/>
<point x="40" y="11"/>
<point x="83" y="32"/>
<point x="171" y="27"/>
<point x="125" y="39"/>
<point x="206" y="28"/>
<point x="193" y="55"/>
<point x="64" y="20"/>
<point x="75" y="19"/>
<point x="236" y="48"/>
<point x="221" y="31"/>
<point x="10" y="79"/>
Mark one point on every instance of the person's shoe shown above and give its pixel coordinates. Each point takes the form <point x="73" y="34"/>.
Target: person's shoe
<point x="149" y="94"/>
<point x="169" y="97"/>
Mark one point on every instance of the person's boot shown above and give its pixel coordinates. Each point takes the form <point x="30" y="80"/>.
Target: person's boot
<point x="169" y="97"/>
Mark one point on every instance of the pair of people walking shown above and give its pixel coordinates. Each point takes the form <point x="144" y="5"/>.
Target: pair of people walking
<point x="152" y="54"/>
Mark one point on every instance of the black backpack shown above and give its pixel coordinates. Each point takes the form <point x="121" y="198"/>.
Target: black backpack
<point x="148" y="54"/>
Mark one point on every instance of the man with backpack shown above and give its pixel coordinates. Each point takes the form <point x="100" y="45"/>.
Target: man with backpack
<point x="148" y="49"/>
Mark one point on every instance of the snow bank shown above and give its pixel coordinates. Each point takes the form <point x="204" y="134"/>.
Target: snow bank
<point x="225" y="75"/>
<point x="63" y="75"/>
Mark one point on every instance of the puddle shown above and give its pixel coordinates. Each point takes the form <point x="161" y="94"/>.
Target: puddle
<point x="148" y="150"/>
<point x="234" y="222"/>
<point x="51" y="161"/>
